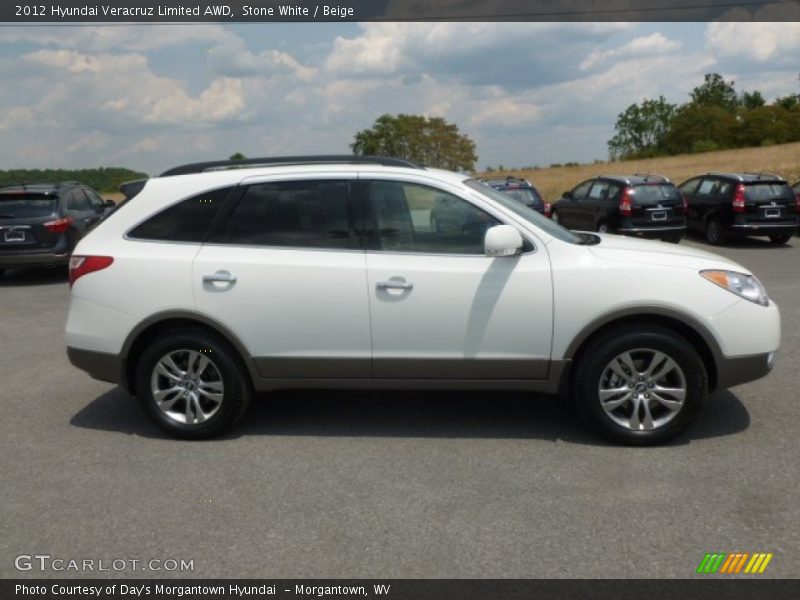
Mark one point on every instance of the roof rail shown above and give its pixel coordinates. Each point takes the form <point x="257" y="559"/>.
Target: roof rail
<point x="762" y="174"/>
<point x="647" y="176"/>
<point x="725" y="174"/>
<point x="271" y="161"/>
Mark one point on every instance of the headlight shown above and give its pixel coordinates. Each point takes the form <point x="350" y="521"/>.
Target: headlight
<point x="746" y="286"/>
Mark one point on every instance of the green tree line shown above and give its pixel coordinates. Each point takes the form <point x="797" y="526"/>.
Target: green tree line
<point x="715" y="118"/>
<point x="103" y="179"/>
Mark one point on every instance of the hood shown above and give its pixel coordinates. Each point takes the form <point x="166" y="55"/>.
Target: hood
<point x="634" y="250"/>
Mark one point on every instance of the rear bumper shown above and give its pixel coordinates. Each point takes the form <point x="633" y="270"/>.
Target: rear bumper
<point x="764" y="228"/>
<point x="10" y="261"/>
<point x="741" y="369"/>
<point x="99" y="365"/>
<point x="654" y="232"/>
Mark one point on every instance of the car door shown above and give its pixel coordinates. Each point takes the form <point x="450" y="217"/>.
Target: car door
<point x="569" y="209"/>
<point x="592" y="205"/>
<point x="689" y="191"/>
<point x="284" y="270"/>
<point x="80" y="210"/>
<point x="440" y="308"/>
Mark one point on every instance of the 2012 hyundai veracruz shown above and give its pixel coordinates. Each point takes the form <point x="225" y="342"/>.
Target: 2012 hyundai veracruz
<point x="222" y="279"/>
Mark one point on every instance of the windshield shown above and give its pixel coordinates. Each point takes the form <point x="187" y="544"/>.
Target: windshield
<point x="527" y="196"/>
<point x="21" y="205"/>
<point x="767" y="191"/>
<point x="542" y="222"/>
<point x="650" y="193"/>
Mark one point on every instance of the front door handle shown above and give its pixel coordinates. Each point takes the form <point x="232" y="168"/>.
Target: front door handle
<point x="394" y="284"/>
<point x="220" y="277"/>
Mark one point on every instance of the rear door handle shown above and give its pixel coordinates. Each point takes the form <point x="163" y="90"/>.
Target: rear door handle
<point x="394" y="284"/>
<point x="220" y="277"/>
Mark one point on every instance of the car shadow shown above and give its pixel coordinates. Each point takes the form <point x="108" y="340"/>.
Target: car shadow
<point x="757" y="243"/>
<point x="34" y="276"/>
<point x="496" y="415"/>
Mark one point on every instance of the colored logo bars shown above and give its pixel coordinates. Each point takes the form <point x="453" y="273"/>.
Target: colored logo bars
<point x="735" y="563"/>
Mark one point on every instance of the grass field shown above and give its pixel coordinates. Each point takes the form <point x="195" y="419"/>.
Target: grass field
<point x="782" y="159"/>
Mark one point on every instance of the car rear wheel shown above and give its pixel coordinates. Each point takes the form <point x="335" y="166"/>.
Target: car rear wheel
<point x="780" y="238"/>
<point x="715" y="233"/>
<point x="192" y="384"/>
<point x="640" y="385"/>
<point x="602" y="228"/>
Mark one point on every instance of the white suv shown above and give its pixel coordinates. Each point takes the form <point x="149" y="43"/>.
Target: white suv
<point x="223" y="279"/>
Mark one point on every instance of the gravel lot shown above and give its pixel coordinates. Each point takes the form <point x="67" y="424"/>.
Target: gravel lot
<point x="376" y="484"/>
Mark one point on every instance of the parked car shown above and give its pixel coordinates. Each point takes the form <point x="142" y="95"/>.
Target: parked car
<point x="648" y="206"/>
<point x="796" y="189"/>
<point x="41" y="223"/>
<point x="223" y="279"/>
<point x="739" y="204"/>
<point x="521" y="190"/>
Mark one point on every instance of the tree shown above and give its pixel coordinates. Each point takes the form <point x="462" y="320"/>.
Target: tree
<point x="640" y="130"/>
<point x="715" y="91"/>
<point x="237" y="156"/>
<point x="430" y="141"/>
<point x="752" y="100"/>
<point x="699" y="128"/>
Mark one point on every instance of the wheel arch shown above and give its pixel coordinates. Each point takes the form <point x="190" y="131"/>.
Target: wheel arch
<point x="695" y="333"/>
<point x="158" y="324"/>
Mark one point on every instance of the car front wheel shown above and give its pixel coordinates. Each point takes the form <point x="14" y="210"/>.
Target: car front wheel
<point x="640" y="385"/>
<point x="192" y="384"/>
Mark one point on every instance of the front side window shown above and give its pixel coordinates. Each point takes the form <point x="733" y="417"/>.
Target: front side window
<point x="77" y="201"/>
<point x="598" y="191"/>
<point x="579" y="193"/>
<point x="410" y="217"/>
<point x="186" y="221"/>
<point x="299" y="214"/>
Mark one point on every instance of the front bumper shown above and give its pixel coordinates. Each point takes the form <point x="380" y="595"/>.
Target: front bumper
<point x="742" y="369"/>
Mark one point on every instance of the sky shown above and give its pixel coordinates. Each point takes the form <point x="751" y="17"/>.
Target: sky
<point x="150" y="97"/>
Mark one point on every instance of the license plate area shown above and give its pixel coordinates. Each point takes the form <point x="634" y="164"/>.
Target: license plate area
<point x="660" y="215"/>
<point x="772" y="213"/>
<point x="14" y="236"/>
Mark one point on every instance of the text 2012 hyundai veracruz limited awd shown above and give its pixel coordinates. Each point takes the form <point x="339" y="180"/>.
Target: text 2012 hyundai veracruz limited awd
<point x="219" y="280"/>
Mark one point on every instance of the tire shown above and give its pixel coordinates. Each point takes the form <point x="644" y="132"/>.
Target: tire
<point x="222" y="398"/>
<point x="715" y="232"/>
<point x="639" y="417"/>
<point x="780" y="238"/>
<point x="602" y="227"/>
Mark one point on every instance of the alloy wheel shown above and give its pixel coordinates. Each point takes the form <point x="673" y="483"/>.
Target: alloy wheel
<point x="187" y="386"/>
<point x="642" y="389"/>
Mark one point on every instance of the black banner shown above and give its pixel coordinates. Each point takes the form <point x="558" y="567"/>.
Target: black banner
<point x="263" y="11"/>
<point x="402" y="589"/>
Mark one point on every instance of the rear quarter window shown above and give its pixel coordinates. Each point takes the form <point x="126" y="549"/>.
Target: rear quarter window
<point x="186" y="221"/>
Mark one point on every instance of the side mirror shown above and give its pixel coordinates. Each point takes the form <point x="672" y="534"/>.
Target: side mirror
<point x="566" y="195"/>
<point x="502" y="240"/>
<point x="109" y="204"/>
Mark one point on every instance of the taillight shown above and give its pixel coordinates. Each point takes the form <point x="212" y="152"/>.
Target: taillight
<point x="83" y="265"/>
<point x="685" y="204"/>
<point x="626" y="202"/>
<point x="738" y="199"/>
<point x="548" y="212"/>
<point x="59" y="225"/>
<point x="797" y="202"/>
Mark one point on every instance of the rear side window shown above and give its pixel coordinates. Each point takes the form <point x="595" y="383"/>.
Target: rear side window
<point x="767" y="191"/>
<point x="20" y="206"/>
<point x="299" y="214"/>
<point x="187" y="221"/>
<point x="651" y="194"/>
<point x="527" y="196"/>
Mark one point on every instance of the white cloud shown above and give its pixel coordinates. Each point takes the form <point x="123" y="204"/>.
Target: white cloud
<point x="651" y="45"/>
<point x="759" y="42"/>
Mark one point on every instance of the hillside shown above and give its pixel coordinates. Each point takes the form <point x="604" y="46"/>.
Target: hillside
<point x="783" y="159"/>
<point x="103" y="179"/>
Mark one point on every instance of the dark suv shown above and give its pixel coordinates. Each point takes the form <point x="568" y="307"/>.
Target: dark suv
<point x="521" y="190"/>
<point x="734" y="204"/>
<point x="41" y="223"/>
<point x="638" y="205"/>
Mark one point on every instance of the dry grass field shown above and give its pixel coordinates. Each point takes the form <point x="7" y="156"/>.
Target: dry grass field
<point x="782" y="159"/>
